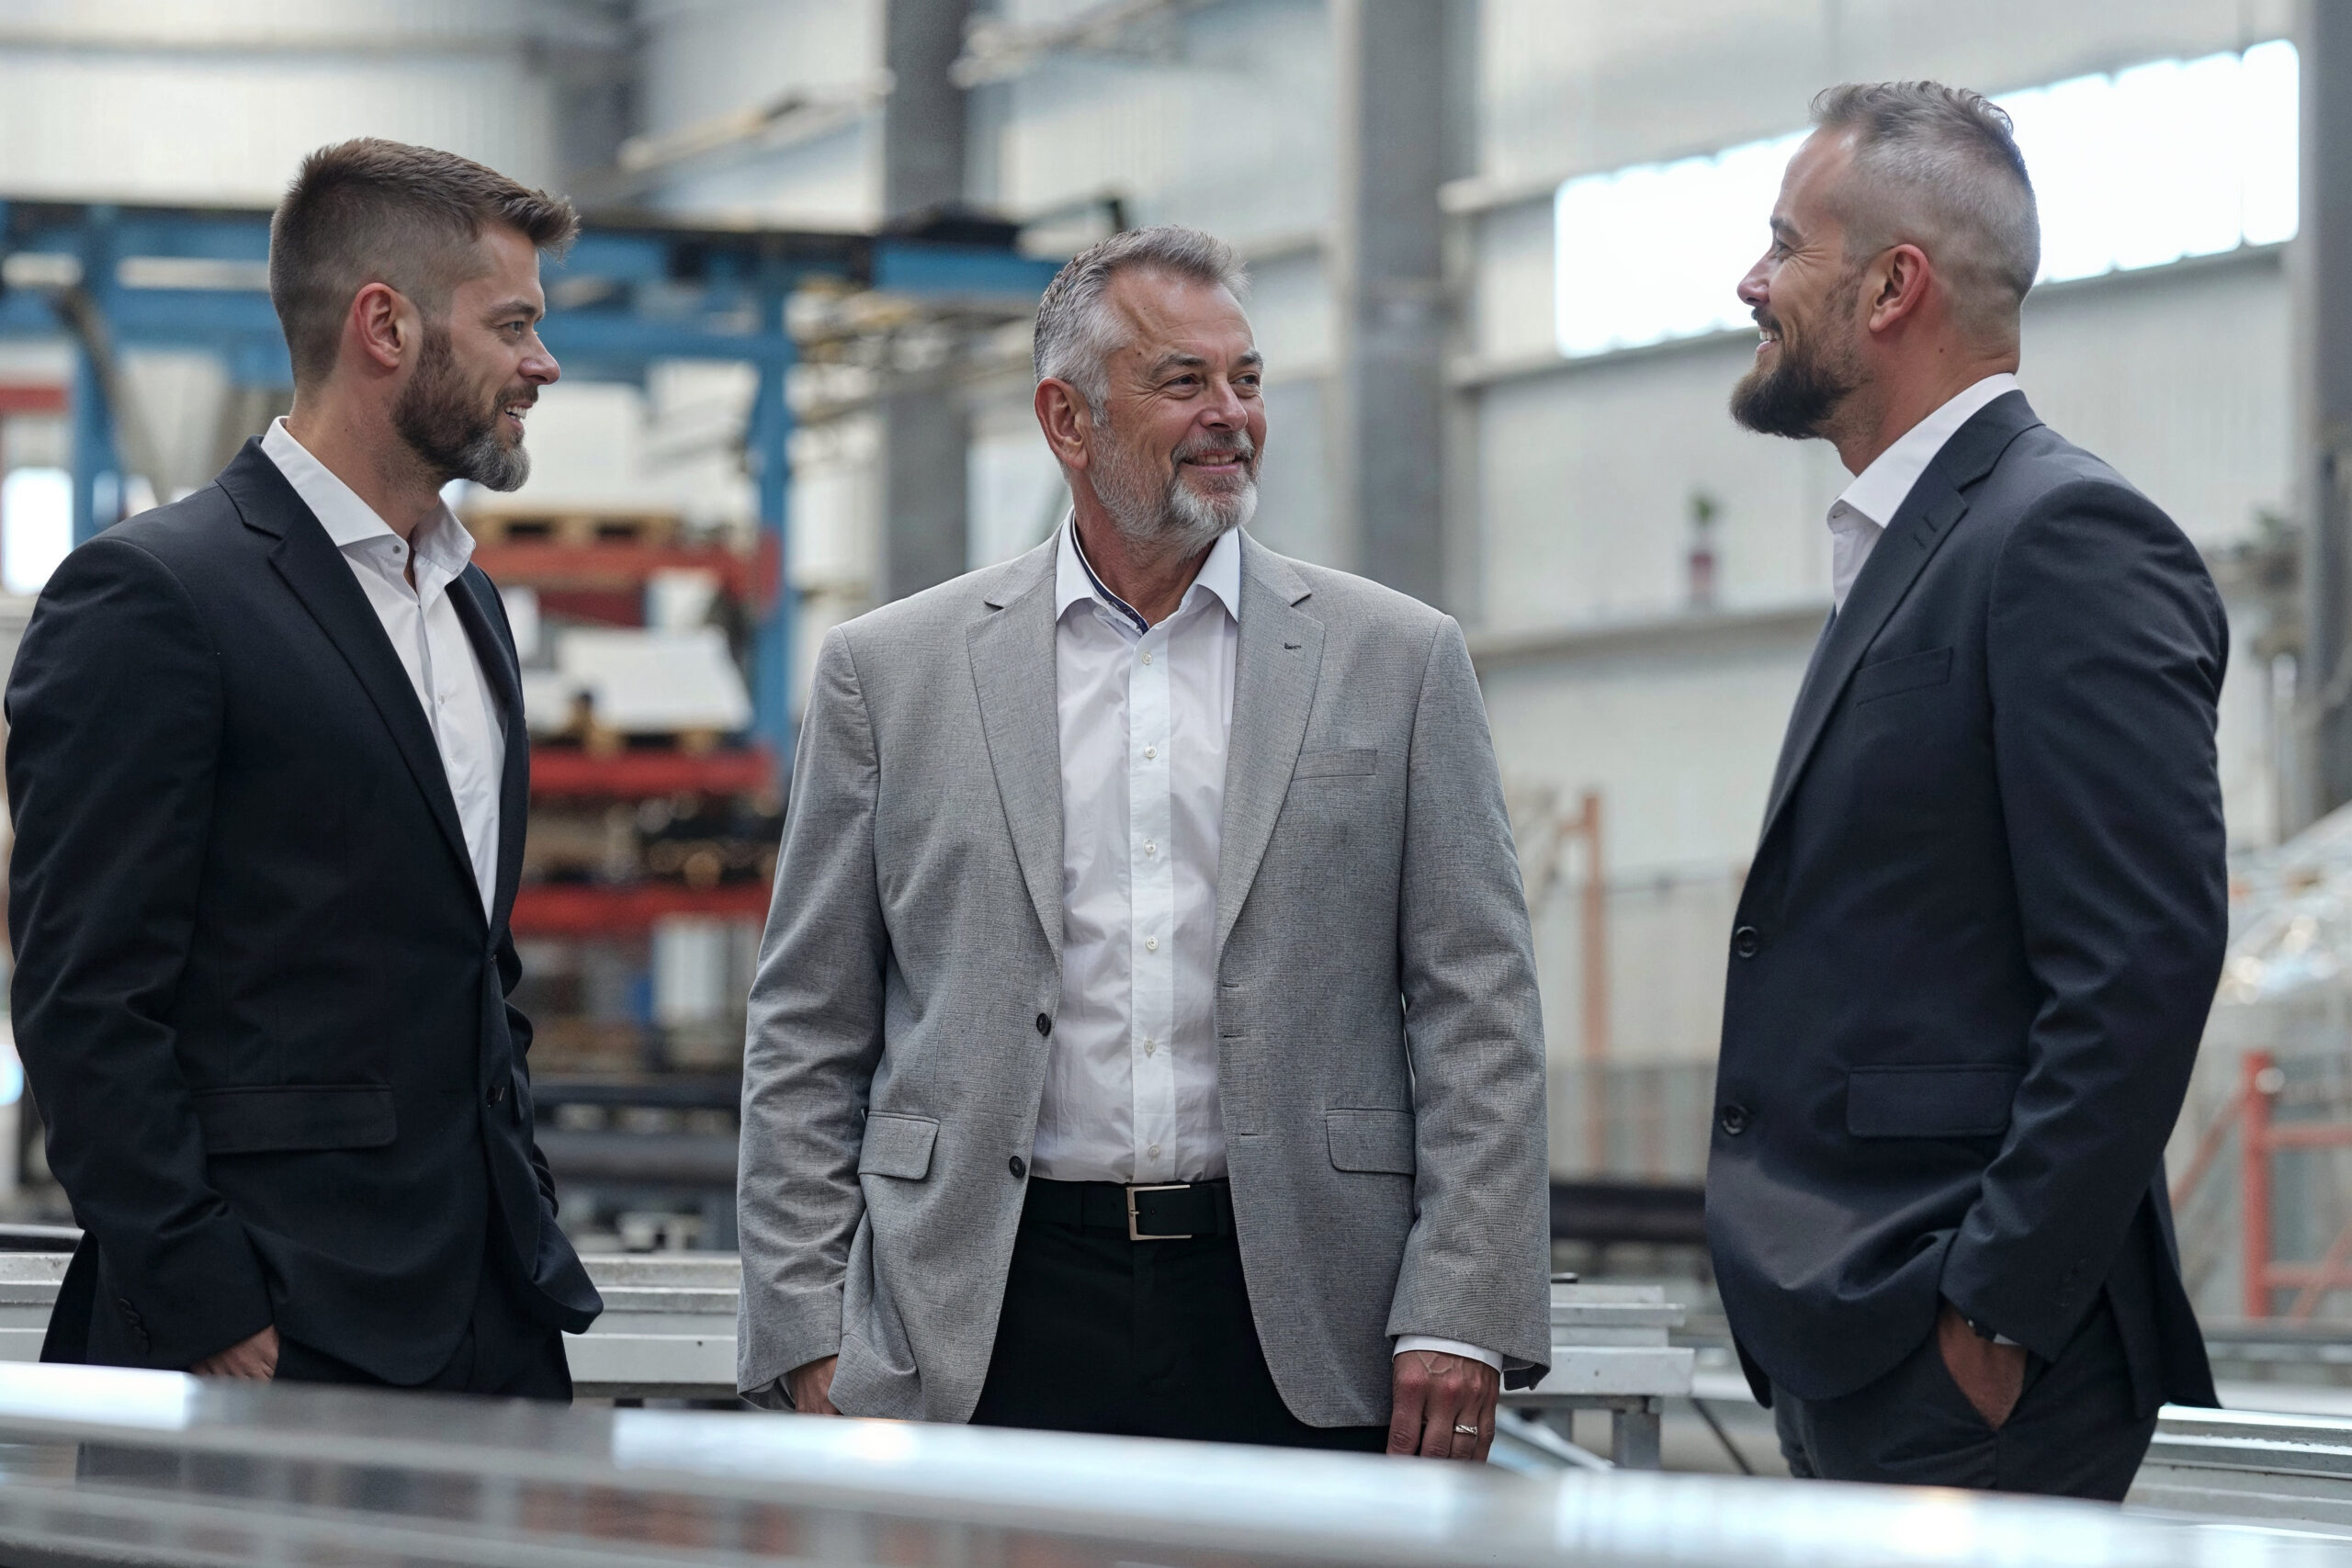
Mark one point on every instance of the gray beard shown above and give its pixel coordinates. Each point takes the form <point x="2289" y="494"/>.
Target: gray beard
<point x="1171" y="523"/>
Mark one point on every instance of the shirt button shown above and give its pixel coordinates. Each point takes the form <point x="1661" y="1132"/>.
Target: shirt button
<point x="1149" y="1046"/>
<point x="1146" y="657"/>
<point x="1151" y="944"/>
<point x="1733" y="1119"/>
<point x="1045" y="1024"/>
<point x="1019" y="1167"/>
<point x="1150" y="752"/>
<point x="1149" y="848"/>
<point x="1745" y="942"/>
<point x="1153" y="1151"/>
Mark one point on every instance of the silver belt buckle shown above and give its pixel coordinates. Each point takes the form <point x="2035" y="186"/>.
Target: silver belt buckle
<point x="1136" y="1235"/>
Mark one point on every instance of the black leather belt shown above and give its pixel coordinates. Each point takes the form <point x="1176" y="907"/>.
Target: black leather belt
<point x="1171" y="1211"/>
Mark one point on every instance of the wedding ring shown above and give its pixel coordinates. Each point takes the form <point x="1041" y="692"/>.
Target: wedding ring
<point x="1465" y="1431"/>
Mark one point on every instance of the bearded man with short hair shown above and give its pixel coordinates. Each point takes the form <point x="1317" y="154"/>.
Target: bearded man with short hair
<point x="269" y="767"/>
<point x="1976" y="943"/>
<point x="1145" y="1040"/>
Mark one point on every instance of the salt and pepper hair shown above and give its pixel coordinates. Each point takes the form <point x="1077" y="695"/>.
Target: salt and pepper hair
<point x="1939" y="168"/>
<point x="1076" y="335"/>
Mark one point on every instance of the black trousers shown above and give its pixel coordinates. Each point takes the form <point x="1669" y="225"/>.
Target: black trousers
<point x="2075" y="1432"/>
<point x="1138" y="1339"/>
<point x="504" y="1352"/>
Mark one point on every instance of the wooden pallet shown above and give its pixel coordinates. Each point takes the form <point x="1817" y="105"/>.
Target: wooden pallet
<point x="576" y="530"/>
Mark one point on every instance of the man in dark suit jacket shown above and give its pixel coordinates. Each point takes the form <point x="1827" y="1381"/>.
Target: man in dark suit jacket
<point x="270" y="770"/>
<point x="1985" y="918"/>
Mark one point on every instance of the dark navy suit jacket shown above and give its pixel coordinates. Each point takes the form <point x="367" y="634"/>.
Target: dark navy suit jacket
<point x="260" y="1005"/>
<point x="1984" y="925"/>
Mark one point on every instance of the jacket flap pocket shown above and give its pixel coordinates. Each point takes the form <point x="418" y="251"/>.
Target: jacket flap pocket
<point x="1371" y="1140"/>
<point x="1929" y="1102"/>
<point x="283" y="1118"/>
<point x="1350" y="762"/>
<point x="1907" y="674"/>
<point x="898" y="1146"/>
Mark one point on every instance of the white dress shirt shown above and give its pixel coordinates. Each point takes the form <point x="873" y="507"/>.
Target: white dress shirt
<point x="1145" y="715"/>
<point x="425" y="631"/>
<point x="1865" y="507"/>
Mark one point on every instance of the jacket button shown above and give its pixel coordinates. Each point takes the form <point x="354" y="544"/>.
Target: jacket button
<point x="1744" y="942"/>
<point x="1019" y="1167"/>
<point x="1045" y="1024"/>
<point x="498" y="1094"/>
<point x="1733" y="1119"/>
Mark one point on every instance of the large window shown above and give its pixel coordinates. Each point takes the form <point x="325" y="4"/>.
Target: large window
<point x="2150" y="166"/>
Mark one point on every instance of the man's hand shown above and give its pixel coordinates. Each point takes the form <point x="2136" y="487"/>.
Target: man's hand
<point x="1992" y="1376"/>
<point x="811" y="1387"/>
<point x="255" y="1359"/>
<point x="1436" y="1393"/>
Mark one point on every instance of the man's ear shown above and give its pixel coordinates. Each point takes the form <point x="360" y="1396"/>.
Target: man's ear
<point x="380" y="327"/>
<point x="1063" y="415"/>
<point x="1897" y="285"/>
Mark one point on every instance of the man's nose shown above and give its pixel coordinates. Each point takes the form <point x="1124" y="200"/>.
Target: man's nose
<point x="1224" y="408"/>
<point x="539" y="366"/>
<point x="1752" y="292"/>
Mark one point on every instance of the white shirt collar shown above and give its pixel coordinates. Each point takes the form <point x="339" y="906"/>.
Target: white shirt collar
<point x="1878" y="492"/>
<point x="1074" y="579"/>
<point x="441" y="540"/>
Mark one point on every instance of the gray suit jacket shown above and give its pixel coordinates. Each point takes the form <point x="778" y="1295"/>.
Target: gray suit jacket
<point x="1380" y="1047"/>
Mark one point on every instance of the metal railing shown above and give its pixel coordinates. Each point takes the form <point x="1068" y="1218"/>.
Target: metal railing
<point x="102" y="1465"/>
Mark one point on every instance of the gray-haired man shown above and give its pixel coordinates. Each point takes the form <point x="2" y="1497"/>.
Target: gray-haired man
<point x="1145" y="1037"/>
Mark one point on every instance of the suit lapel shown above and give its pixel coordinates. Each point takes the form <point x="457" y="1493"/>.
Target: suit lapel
<point x="1920" y="525"/>
<point x="311" y="565"/>
<point x="474" y="597"/>
<point x="1277" y="661"/>
<point x="1011" y="650"/>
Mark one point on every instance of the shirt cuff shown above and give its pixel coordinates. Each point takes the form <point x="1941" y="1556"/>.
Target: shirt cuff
<point x="1451" y="1347"/>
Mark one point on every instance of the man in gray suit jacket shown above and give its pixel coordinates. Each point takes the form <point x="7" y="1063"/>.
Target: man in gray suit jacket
<point x="1146" y="1037"/>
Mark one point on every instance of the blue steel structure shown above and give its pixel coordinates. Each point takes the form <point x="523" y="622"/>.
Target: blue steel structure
<point x="633" y="290"/>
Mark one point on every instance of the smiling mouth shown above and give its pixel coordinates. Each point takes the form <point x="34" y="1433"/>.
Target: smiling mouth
<point x="516" y="412"/>
<point x="1233" y="462"/>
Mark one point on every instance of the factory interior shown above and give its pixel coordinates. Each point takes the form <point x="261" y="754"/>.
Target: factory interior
<point x="796" y="345"/>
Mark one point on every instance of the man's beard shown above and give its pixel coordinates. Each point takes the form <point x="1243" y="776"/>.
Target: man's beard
<point x="1802" y="391"/>
<point x="450" y="432"/>
<point x="1171" y="521"/>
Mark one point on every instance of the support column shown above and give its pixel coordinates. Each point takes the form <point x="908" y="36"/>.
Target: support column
<point x="1388" y="281"/>
<point x="2321" y="270"/>
<point x="926" y="430"/>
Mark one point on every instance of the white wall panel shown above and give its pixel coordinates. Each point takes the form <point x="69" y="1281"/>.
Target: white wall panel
<point x="2182" y="379"/>
<point x="1572" y="86"/>
<point x="234" y="129"/>
<point x="1585" y="478"/>
<point x="709" y="58"/>
<point x="1234" y="135"/>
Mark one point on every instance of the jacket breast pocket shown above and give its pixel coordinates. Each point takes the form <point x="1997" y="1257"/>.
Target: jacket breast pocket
<point x="898" y="1146"/>
<point x="1909" y="673"/>
<point x="270" y="1119"/>
<point x="1371" y="1140"/>
<point x="1960" y="1101"/>
<point x="1347" y="762"/>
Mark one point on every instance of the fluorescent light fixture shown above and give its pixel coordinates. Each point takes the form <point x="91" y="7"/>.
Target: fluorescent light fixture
<point x="2149" y="166"/>
<point x="36" y="526"/>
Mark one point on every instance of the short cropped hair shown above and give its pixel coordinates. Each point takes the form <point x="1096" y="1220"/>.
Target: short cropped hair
<point x="1074" y="342"/>
<point x="377" y="211"/>
<point x="1939" y="168"/>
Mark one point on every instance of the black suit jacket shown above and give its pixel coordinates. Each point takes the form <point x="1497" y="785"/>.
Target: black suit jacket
<point x="260" y="1006"/>
<point x="1984" y="922"/>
